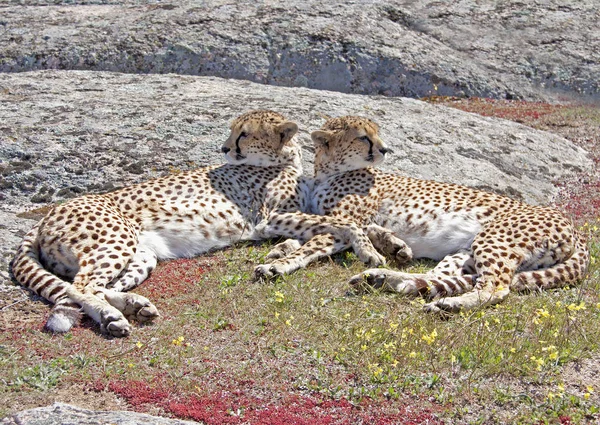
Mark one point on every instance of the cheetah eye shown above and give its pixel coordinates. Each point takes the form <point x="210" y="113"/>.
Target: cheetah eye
<point x="243" y="134"/>
<point x="365" y="139"/>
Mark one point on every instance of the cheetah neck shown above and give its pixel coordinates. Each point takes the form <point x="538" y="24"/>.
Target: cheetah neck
<point x="325" y="172"/>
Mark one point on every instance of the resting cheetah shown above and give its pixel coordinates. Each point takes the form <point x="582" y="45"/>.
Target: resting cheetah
<point x="107" y="244"/>
<point x="488" y="244"/>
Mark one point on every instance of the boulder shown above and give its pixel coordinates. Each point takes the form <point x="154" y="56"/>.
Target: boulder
<point x="518" y="50"/>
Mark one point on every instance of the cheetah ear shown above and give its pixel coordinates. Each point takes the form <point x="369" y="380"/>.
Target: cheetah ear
<point x="286" y="131"/>
<point x="321" y="138"/>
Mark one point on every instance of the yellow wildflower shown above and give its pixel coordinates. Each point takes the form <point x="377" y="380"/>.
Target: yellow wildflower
<point x="279" y="297"/>
<point x="538" y="361"/>
<point x="389" y="345"/>
<point x="430" y="339"/>
<point x="576" y="307"/>
<point x="542" y="312"/>
<point x="178" y="341"/>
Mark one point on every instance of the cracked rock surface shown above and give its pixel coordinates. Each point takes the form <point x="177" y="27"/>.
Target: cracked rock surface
<point x="535" y="50"/>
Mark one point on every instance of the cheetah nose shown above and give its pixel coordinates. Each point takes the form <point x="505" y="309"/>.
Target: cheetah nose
<point x="225" y="149"/>
<point x="385" y="150"/>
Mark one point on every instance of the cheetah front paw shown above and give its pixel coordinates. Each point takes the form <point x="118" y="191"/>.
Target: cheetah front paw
<point x="264" y="272"/>
<point x="371" y="257"/>
<point x="115" y="326"/>
<point x="140" y="308"/>
<point x="389" y="244"/>
<point x="403" y="255"/>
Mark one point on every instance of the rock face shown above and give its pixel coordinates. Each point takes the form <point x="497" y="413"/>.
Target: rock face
<point x="60" y="413"/>
<point x="532" y="50"/>
<point x="65" y="133"/>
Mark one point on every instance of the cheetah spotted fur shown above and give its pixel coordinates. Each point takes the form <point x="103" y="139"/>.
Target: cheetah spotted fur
<point x="488" y="244"/>
<point x="87" y="252"/>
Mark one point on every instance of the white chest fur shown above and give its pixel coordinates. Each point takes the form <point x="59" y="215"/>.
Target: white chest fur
<point x="431" y="235"/>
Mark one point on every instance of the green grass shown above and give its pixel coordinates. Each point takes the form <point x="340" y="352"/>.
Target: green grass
<point x="305" y="334"/>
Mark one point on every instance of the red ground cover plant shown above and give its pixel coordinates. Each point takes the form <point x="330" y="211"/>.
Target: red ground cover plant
<point x="514" y="110"/>
<point x="181" y="274"/>
<point x="236" y="407"/>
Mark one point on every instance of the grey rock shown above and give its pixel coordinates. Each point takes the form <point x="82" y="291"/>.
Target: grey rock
<point x="100" y="131"/>
<point x="12" y="230"/>
<point x="529" y="49"/>
<point x="61" y="414"/>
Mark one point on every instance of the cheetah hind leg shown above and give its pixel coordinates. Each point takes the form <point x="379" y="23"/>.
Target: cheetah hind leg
<point x="453" y="275"/>
<point x="386" y="242"/>
<point x="133" y="306"/>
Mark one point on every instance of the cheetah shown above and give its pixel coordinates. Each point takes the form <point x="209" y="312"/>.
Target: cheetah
<point x="86" y="253"/>
<point x="487" y="244"/>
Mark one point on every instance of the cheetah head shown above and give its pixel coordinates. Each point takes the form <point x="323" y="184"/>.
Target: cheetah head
<point x="346" y="144"/>
<point x="262" y="138"/>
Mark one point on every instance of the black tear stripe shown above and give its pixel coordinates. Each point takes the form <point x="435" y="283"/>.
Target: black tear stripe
<point x="237" y="144"/>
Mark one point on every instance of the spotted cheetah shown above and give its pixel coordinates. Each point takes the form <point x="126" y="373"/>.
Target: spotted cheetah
<point x="88" y="251"/>
<point x="488" y="244"/>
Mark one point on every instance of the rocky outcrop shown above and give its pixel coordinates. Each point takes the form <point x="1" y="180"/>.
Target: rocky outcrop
<point x="65" y="133"/>
<point x="530" y="50"/>
<point x="60" y="413"/>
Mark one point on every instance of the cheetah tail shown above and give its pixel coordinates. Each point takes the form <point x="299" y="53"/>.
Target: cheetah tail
<point x="30" y="273"/>
<point x="561" y="274"/>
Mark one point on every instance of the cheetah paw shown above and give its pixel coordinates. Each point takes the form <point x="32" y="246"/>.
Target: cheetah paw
<point x="369" y="279"/>
<point x="115" y="326"/>
<point x="403" y="255"/>
<point x="443" y="306"/>
<point x="371" y="258"/>
<point x="389" y="244"/>
<point x="147" y="313"/>
<point x="133" y="306"/>
<point x="266" y="272"/>
<point x="140" y="308"/>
